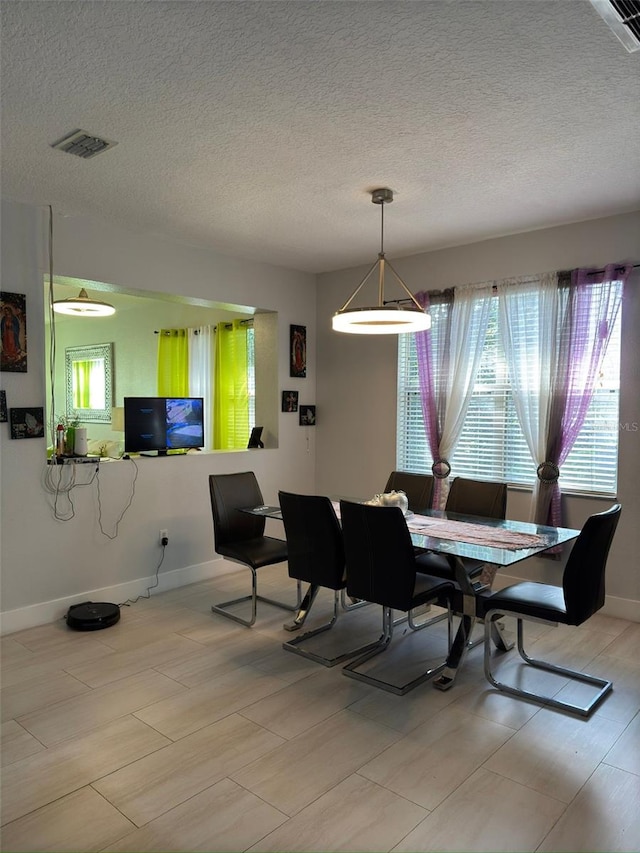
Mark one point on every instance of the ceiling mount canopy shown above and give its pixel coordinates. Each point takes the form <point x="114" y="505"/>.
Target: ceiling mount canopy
<point x="83" y="306"/>
<point x="386" y="318"/>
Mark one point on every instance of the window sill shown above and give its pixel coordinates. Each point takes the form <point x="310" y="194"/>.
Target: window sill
<point x="575" y="493"/>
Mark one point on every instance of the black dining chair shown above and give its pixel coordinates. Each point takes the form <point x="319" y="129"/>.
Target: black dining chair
<point x="419" y="491"/>
<point x="316" y="557"/>
<point x="239" y="536"/>
<point x="470" y="497"/>
<point x="383" y="568"/>
<point x="581" y="595"/>
<point x="417" y="487"/>
<point x="477" y="497"/>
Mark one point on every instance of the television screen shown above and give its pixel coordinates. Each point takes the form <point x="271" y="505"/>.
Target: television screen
<point x="144" y="424"/>
<point x="185" y="422"/>
<point x="163" y="423"/>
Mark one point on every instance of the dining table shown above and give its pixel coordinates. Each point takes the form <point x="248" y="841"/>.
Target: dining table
<point x="497" y="543"/>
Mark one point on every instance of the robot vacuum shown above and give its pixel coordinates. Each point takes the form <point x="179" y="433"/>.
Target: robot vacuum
<point x="92" y="616"/>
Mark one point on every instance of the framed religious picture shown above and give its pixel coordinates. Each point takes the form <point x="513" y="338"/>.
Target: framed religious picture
<point x="298" y="351"/>
<point x="27" y="423"/>
<point x="307" y="415"/>
<point x="3" y="407"/>
<point x="13" y="332"/>
<point x="289" y="401"/>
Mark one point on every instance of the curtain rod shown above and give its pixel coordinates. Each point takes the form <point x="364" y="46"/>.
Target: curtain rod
<point x="616" y="268"/>
<point x="197" y="332"/>
<point x="494" y="288"/>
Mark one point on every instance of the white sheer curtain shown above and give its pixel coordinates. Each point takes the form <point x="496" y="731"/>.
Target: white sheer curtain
<point x="201" y="340"/>
<point x="555" y="336"/>
<point x="529" y="331"/>
<point x="450" y="363"/>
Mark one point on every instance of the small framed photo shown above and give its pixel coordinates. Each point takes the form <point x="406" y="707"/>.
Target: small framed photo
<point x="289" y="401"/>
<point x="298" y="351"/>
<point x="3" y="407"/>
<point x="307" y="415"/>
<point x="27" y="423"/>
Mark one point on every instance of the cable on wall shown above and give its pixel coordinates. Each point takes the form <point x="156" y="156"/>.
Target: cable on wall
<point x="52" y="336"/>
<point x="147" y="592"/>
<point x="129" y="502"/>
<point x="59" y="484"/>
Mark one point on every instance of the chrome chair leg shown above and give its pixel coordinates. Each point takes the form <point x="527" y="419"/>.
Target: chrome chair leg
<point x="221" y="608"/>
<point x="281" y="604"/>
<point x="355" y="603"/>
<point x="540" y="699"/>
<point x="419" y="626"/>
<point x="295" y="645"/>
<point x="351" y="670"/>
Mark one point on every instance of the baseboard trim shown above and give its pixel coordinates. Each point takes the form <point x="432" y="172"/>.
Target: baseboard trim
<point x="620" y="608"/>
<point x="50" y="611"/>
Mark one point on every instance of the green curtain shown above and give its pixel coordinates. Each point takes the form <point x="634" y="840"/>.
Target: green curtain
<point x="173" y="363"/>
<point x="231" y="394"/>
<point x="81" y="384"/>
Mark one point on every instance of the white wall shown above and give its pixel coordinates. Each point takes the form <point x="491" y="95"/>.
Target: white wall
<point x="357" y="378"/>
<point x="48" y="564"/>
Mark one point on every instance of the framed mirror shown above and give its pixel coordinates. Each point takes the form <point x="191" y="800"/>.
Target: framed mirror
<point x="89" y="382"/>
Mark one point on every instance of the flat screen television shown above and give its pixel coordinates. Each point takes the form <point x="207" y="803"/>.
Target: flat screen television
<point x="161" y="424"/>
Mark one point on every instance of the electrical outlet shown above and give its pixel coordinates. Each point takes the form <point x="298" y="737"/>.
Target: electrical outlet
<point x="164" y="537"/>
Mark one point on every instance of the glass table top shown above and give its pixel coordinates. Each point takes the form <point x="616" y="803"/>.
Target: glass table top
<point x="501" y="556"/>
<point x="549" y="536"/>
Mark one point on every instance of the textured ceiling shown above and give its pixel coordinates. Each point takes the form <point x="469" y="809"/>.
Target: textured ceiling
<point x="257" y="128"/>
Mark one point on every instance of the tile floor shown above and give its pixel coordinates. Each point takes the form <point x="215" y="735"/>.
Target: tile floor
<point x="177" y="729"/>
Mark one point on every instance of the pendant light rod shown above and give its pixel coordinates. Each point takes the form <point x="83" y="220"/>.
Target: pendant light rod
<point x="361" y="285"/>
<point x="378" y="319"/>
<point x="381" y="197"/>
<point x="404" y="287"/>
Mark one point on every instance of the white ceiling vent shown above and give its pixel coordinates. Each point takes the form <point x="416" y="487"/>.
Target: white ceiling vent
<point x="83" y="144"/>
<point x="623" y="18"/>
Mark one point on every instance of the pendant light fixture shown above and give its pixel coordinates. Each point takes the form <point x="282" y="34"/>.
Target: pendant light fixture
<point x="385" y="318"/>
<point x="83" y="306"/>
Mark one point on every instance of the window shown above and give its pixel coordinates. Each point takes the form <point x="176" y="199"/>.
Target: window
<point x="234" y="395"/>
<point x="491" y="445"/>
<point x="251" y="375"/>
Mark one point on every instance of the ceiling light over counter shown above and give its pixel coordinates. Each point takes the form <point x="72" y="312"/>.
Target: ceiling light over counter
<point x="83" y="306"/>
<point x="385" y="318"/>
